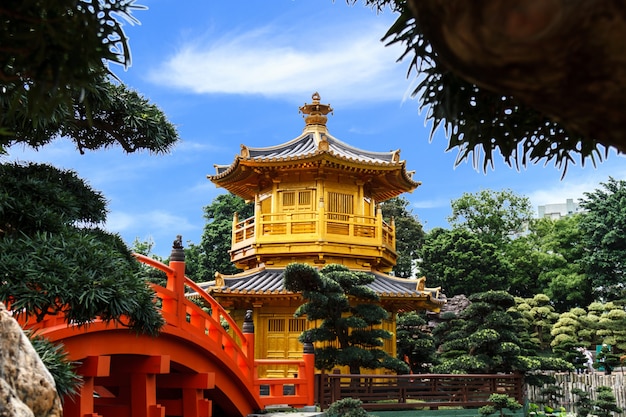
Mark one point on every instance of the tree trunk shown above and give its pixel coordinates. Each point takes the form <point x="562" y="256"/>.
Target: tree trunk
<point x="565" y="58"/>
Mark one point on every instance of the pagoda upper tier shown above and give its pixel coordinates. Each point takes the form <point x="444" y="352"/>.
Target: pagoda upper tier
<point x="316" y="199"/>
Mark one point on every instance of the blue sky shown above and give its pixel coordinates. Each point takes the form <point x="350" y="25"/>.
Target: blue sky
<point x="235" y="73"/>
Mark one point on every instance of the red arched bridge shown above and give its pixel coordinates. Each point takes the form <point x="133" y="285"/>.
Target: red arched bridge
<point x="194" y="368"/>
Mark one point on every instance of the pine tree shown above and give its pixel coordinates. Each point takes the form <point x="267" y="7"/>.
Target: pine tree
<point x="349" y="314"/>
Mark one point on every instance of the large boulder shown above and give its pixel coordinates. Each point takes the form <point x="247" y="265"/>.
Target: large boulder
<point x="26" y="386"/>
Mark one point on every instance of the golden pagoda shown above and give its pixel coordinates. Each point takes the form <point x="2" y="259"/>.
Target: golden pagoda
<point x="316" y="202"/>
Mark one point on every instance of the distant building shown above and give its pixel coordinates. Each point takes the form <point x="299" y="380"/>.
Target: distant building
<point x="558" y="211"/>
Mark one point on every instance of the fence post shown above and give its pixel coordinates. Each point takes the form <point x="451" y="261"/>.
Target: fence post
<point x="177" y="282"/>
<point x="248" y="332"/>
<point x="335" y="387"/>
<point x="308" y="355"/>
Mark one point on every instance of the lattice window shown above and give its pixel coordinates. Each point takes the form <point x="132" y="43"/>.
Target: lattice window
<point x="340" y="206"/>
<point x="276" y="325"/>
<point x="304" y="198"/>
<point x="297" y="325"/>
<point x="289" y="199"/>
<point x="297" y="200"/>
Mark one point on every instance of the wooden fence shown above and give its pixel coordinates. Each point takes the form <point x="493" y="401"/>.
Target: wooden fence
<point x="586" y="382"/>
<point x="401" y="392"/>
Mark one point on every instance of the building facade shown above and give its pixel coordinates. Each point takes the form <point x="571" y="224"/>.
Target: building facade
<point x="558" y="210"/>
<point x="316" y="202"/>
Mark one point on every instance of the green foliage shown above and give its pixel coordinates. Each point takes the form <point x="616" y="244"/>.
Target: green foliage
<point x="53" y="257"/>
<point x="573" y="353"/>
<point x="347" y="333"/>
<point x="56" y="361"/>
<point x="489" y="337"/>
<point x="57" y="82"/>
<point x="52" y="262"/>
<point x="606" y="359"/>
<point x="494" y="216"/>
<point x="551" y="396"/>
<point x="347" y="407"/>
<point x="573" y="328"/>
<point x="499" y="403"/>
<point x="458" y="260"/>
<point x="478" y="122"/>
<point x="547" y="260"/>
<point x="539" y="316"/>
<point x="610" y="323"/>
<point x="604" y="405"/>
<point x="604" y="228"/>
<point x="537" y="410"/>
<point x="583" y="402"/>
<point x="414" y="344"/>
<point x="35" y="197"/>
<point x="148" y="273"/>
<point x="212" y="254"/>
<point x="409" y="234"/>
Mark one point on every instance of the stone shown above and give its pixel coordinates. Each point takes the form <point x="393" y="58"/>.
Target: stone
<point x="26" y="386"/>
<point x="456" y="305"/>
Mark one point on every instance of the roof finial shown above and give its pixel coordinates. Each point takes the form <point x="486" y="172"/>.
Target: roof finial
<point x="316" y="112"/>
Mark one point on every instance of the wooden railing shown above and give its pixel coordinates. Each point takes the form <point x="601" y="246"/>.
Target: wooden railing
<point x="397" y="392"/>
<point x="335" y="226"/>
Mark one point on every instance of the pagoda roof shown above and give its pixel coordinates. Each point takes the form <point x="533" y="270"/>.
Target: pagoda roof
<point x="311" y="144"/>
<point x="315" y="148"/>
<point x="403" y="293"/>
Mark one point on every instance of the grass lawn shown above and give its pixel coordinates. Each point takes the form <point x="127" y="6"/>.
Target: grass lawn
<point x="442" y="412"/>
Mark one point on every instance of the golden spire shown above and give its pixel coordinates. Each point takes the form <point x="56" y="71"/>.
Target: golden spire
<point x="316" y="112"/>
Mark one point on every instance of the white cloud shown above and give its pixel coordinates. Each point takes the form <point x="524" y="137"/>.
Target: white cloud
<point x="122" y="222"/>
<point x="574" y="187"/>
<point x="429" y="204"/>
<point x="348" y="60"/>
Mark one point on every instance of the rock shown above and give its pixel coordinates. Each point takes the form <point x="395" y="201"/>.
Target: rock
<point x="456" y="305"/>
<point x="26" y="386"/>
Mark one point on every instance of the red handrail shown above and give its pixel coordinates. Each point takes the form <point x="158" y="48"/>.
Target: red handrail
<point x="296" y="392"/>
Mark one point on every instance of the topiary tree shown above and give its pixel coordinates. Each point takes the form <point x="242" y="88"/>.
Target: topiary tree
<point x="539" y="315"/>
<point x="348" y="313"/>
<point x="604" y="405"/>
<point x="347" y="407"/>
<point x="606" y="360"/>
<point x="415" y="345"/>
<point x="499" y="403"/>
<point x="573" y="328"/>
<point x="487" y="338"/>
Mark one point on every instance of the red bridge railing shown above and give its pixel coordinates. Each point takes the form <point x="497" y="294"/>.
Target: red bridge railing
<point x="237" y="344"/>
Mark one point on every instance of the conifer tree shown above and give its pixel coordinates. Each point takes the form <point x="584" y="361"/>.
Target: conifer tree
<point x="348" y="313"/>
<point x="414" y="345"/>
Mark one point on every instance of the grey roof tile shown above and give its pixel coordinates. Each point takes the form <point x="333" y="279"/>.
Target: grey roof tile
<point x="271" y="281"/>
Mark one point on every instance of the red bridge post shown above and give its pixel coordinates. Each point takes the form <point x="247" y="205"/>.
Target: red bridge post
<point x="248" y="332"/>
<point x="308" y="355"/>
<point x="176" y="282"/>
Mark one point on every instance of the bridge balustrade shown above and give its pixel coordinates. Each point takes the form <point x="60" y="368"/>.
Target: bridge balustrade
<point x="146" y="381"/>
<point x="236" y="343"/>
